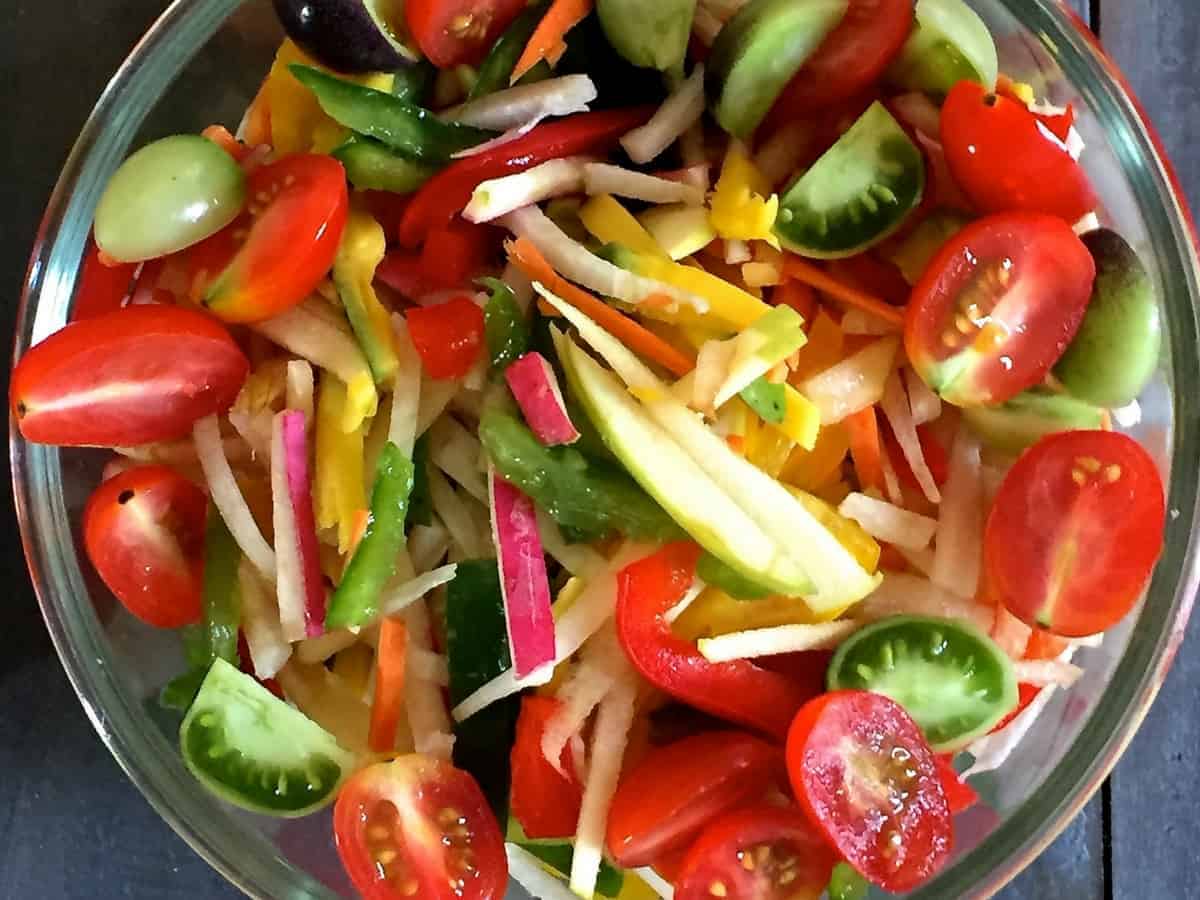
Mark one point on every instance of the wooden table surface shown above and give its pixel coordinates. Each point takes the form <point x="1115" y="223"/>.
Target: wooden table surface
<point x="72" y="826"/>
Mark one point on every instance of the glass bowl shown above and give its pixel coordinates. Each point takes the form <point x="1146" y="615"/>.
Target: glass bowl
<point x="202" y="62"/>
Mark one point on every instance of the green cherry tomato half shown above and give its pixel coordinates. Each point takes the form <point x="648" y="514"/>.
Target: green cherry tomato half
<point x="167" y="196"/>
<point x="249" y="747"/>
<point x="950" y="677"/>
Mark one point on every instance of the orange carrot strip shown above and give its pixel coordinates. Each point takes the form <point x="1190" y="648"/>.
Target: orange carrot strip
<point x="634" y="336"/>
<point x="220" y="136"/>
<point x="802" y="270"/>
<point x="361" y="518"/>
<point x="547" y="41"/>
<point x="799" y="296"/>
<point x="865" y="448"/>
<point x="389" y="685"/>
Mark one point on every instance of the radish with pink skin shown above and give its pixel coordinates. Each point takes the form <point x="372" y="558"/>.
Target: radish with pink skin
<point x="299" y="580"/>
<point x="532" y="382"/>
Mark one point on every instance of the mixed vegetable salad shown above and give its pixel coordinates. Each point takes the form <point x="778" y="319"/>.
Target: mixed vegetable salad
<point x="631" y="447"/>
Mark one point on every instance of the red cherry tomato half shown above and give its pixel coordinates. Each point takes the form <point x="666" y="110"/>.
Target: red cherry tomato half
<point x="997" y="306"/>
<point x="675" y="790"/>
<point x="867" y="779"/>
<point x="448" y="337"/>
<point x="1074" y="531"/>
<point x="286" y="241"/>
<point x="1006" y="158"/>
<point x="144" y="532"/>
<point x="418" y="827"/>
<point x="450" y="32"/>
<point x="102" y="287"/>
<point x="545" y="799"/>
<point x="759" y="853"/>
<point x="134" y="376"/>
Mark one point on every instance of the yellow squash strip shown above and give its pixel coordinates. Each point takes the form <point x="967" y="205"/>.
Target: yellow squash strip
<point x="339" y="489"/>
<point x="611" y="223"/>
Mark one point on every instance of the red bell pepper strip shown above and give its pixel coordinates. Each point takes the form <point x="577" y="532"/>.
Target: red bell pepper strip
<point x="447" y="193"/>
<point x="738" y="691"/>
<point x="455" y="253"/>
<point x="388" y="701"/>
<point x="1026" y="694"/>
<point x="449" y="337"/>
<point x="959" y="794"/>
<point x="544" y="801"/>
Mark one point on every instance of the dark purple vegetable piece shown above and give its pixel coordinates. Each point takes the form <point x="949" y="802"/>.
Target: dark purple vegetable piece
<point x="348" y="35"/>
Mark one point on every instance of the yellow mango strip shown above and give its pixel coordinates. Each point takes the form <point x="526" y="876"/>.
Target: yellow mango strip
<point x="339" y="489"/>
<point x="826" y="344"/>
<point x="714" y="612"/>
<point x="809" y="469"/>
<point x="726" y="302"/>
<point x="768" y="448"/>
<point x="611" y="223"/>
<point x="801" y="419"/>
<point x="743" y="207"/>
<point x="834" y="492"/>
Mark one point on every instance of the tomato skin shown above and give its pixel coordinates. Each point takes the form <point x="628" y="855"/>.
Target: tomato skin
<point x="439" y="28"/>
<point x="674" y="790"/>
<point x="1075" y="531"/>
<point x="853" y="757"/>
<point x="103" y="287"/>
<point x="143" y="530"/>
<point x="719" y="856"/>
<point x="543" y="800"/>
<point x="448" y="337"/>
<point x="285" y="243"/>
<point x="997" y="306"/>
<point x="1005" y="158"/>
<point x="175" y="366"/>
<point x="413" y="800"/>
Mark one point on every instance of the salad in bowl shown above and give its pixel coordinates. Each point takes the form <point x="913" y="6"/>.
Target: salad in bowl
<point x="638" y="450"/>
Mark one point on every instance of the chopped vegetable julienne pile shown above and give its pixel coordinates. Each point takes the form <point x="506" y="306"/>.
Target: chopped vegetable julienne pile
<point x="599" y="491"/>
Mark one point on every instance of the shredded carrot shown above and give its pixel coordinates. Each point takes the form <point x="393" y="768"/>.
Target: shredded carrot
<point x="865" y="448"/>
<point x="806" y="272"/>
<point x="1044" y="645"/>
<point x="547" y="41"/>
<point x="220" y="136"/>
<point x="389" y="685"/>
<point x="636" y="337"/>
<point x="800" y="297"/>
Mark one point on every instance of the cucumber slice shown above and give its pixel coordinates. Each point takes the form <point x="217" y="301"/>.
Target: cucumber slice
<point x="857" y="194"/>
<point x="249" y="747"/>
<point x="759" y="51"/>
<point x="650" y="35"/>
<point x="949" y="44"/>
<point x="1028" y="417"/>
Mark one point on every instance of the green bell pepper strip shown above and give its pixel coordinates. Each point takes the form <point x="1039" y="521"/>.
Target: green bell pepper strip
<point x="373" y="564"/>
<point x="712" y="571"/>
<point x="414" y="83"/>
<point x="767" y="399"/>
<point x="504" y="325"/>
<point x="498" y="66"/>
<point x="371" y="166"/>
<point x="403" y="126"/>
<point x="588" y="500"/>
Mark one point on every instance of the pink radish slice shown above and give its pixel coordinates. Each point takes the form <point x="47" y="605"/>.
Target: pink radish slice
<point x="299" y="581"/>
<point x="533" y="383"/>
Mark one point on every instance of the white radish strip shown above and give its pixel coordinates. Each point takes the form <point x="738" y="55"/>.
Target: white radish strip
<point x="526" y="104"/>
<point x="689" y="597"/>
<point x="737" y="252"/>
<point x="656" y="882"/>
<point x="183" y="451"/>
<point x="992" y="750"/>
<point x="919" y="112"/>
<point x="784" y="151"/>
<point x="427" y="665"/>
<point x="524" y="586"/>
<point x="859" y="321"/>
<point x="578" y="559"/>
<point x="1010" y="633"/>
<point x="531" y="873"/>
<point x="228" y="499"/>
<point x="779" y="639"/>
<point x="579" y="695"/>
<point x="1087" y="222"/>
<point x="299" y="390"/>
<point x="891" y="482"/>
<point x="292" y="562"/>
<point x="535" y="387"/>
<point x="499" y="196"/>
<point x="895" y="407"/>
<point x="310" y="332"/>
<point x="853" y="384"/>
<point x="890" y="523"/>
<point x="678" y="113"/>
<point x="436" y="394"/>
<point x="455" y="515"/>
<point x="406" y="389"/>
<point x="585" y="616"/>
<point x="423" y="700"/>
<point x="921" y="560"/>
<point x="925" y="404"/>
<point x="605" y="178"/>
<point x="456" y="452"/>
<point x="255" y="431"/>
<point x="763" y="274"/>
<point x="609" y="741"/>
<point x="958" y="549"/>
<point x="706" y="26"/>
<point x="397" y="598"/>
<point x="902" y="594"/>
<point x="1045" y="672"/>
<point x="319" y="649"/>
<point x="427" y="545"/>
<point x="269" y="652"/>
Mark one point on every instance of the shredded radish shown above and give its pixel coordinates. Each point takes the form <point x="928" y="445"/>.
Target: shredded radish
<point x="530" y="873"/>
<point x="925" y="404"/>
<point x="779" y="639"/>
<point x="921" y="560"/>
<point x="228" y="499"/>
<point x="183" y="452"/>
<point x="535" y="387"/>
<point x="319" y="649"/>
<point x="300" y="585"/>
<point x="737" y="252"/>
<point x="678" y="113"/>
<point x="452" y="510"/>
<point x="904" y="594"/>
<point x="919" y="113"/>
<point x="689" y="597"/>
<point x="518" y="110"/>
<point x="783" y="152"/>
<point x="436" y="394"/>
<point x="706" y="26"/>
<point x="1087" y="222"/>
<point x="429" y="665"/>
<point x="895" y="407"/>
<point x="859" y="321"/>
<point x="578" y="559"/>
<point x="406" y="389"/>
<point x="456" y="452"/>
<point x="269" y="652"/>
<point x="254" y="428"/>
<point x="605" y="178"/>
<point x="854" y="383"/>
<point x="499" y="196"/>
<point x="1045" y="672"/>
<point x="579" y="695"/>
<point x="300" y="386"/>
<point x="524" y="585"/>
<point x="310" y="332"/>
<point x="890" y="523"/>
<point x="656" y="882"/>
<point x="958" y="549"/>
<point x="423" y="699"/>
<point x="519" y="283"/>
<point x="399" y="597"/>
<point x="1010" y="633"/>
<point x="427" y="545"/>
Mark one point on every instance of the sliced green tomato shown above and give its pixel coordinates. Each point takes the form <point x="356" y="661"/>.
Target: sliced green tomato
<point x="949" y="44"/>
<point x="950" y="677"/>
<point x="713" y="572"/>
<point x="857" y="194"/>
<point x="846" y="884"/>
<point x="651" y="35"/>
<point x="371" y="166"/>
<point x="1028" y="417"/>
<point x="759" y="51"/>
<point x="249" y="747"/>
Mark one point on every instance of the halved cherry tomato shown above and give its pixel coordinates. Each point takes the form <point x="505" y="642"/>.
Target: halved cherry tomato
<point x="1074" y="531"/>
<point x="1005" y="158"/>
<point x="448" y="337"/>
<point x="959" y="795"/>
<point x="544" y="799"/>
<point x="867" y="779"/>
<point x="450" y="32"/>
<point x="997" y="306"/>
<point x="134" y="376"/>
<point x="739" y="691"/>
<point x="144" y="533"/>
<point x="675" y="790"/>
<point x="102" y="287"/>
<point x="418" y="827"/>
<point x="759" y="853"/>
<point x="284" y="244"/>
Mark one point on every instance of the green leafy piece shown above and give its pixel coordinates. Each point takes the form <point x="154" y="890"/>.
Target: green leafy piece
<point x="505" y="328"/>
<point x="767" y="399"/>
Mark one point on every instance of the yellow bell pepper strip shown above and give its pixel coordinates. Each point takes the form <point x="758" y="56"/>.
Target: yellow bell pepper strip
<point x="849" y="533"/>
<point x="611" y="223"/>
<point x="359" y="254"/>
<point x="715" y="612"/>
<point x="727" y="303"/>
<point x="338" y="489"/>
<point x="809" y="469"/>
<point x="742" y="206"/>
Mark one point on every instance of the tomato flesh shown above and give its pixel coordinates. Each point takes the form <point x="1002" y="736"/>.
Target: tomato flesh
<point x="997" y="306"/>
<point x="450" y="32"/>
<point x="134" y="376"/>
<point x="867" y="779"/>
<point x="1074" y="532"/>
<point x="448" y="337"/>
<point x="545" y="799"/>
<point x="675" y="790"/>
<point x="418" y="827"/>
<point x="103" y="285"/>
<point x="144" y="532"/>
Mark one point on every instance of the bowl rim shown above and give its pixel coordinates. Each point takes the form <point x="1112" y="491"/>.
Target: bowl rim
<point x="53" y="564"/>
